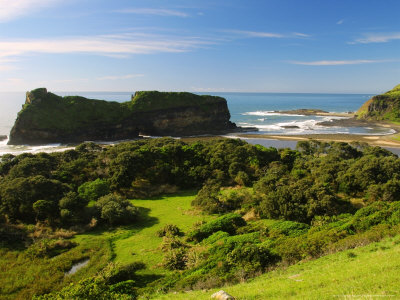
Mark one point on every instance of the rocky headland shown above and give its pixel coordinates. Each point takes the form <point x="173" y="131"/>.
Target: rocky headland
<point x="49" y="118"/>
<point x="384" y="107"/>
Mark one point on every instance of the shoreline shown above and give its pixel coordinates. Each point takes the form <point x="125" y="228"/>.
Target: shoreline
<point x="374" y="140"/>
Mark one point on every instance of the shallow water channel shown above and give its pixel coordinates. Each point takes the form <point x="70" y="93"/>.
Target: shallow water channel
<point x="77" y="266"/>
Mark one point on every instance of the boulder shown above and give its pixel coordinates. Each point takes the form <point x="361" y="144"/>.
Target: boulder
<point x="222" y="295"/>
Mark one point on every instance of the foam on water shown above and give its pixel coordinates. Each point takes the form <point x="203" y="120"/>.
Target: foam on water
<point x="268" y="113"/>
<point x="19" y="149"/>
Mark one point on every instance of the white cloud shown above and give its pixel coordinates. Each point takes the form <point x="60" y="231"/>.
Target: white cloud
<point x="115" y="46"/>
<point x="121" y="77"/>
<point x="340" y="22"/>
<point x="258" y="34"/>
<point x="378" y="38"/>
<point x="154" y="11"/>
<point x="337" y="62"/>
<point x="262" y="34"/>
<point x="299" y="34"/>
<point x="12" y="9"/>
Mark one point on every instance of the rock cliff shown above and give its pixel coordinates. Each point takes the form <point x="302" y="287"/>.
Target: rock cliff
<point x="49" y="118"/>
<point x="385" y="107"/>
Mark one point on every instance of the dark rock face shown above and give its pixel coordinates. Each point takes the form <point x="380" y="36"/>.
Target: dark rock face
<point x="3" y="137"/>
<point x="48" y="118"/>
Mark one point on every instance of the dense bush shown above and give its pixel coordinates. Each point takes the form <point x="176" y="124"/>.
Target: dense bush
<point x="116" y="210"/>
<point x="228" y="223"/>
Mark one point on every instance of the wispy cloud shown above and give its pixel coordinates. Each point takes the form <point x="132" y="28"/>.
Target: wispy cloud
<point x="338" y="62"/>
<point x="340" y="22"/>
<point x="377" y="38"/>
<point x="5" y="64"/>
<point x="154" y="11"/>
<point x="120" y="77"/>
<point x="263" y="34"/>
<point x="258" y="34"/>
<point x="116" y="45"/>
<point x="12" y="9"/>
<point x="299" y="34"/>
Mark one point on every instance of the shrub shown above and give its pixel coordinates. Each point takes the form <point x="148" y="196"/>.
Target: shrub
<point x="251" y="258"/>
<point x="371" y="215"/>
<point x="171" y="242"/>
<point x="176" y="259"/>
<point x="216" y="236"/>
<point x="93" y="190"/>
<point x="228" y="223"/>
<point x="116" y="210"/>
<point x="169" y="230"/>
<point x="288" y="228"/>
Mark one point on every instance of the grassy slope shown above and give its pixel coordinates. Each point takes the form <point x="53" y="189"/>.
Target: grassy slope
<point x="352" y="274"/>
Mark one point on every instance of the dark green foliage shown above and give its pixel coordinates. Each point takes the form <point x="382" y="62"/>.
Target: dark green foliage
<point x="90" y="289"/>
<point x="216" y="236"/>
<point x="207" y="198"/>
<point x="93" y="190"/>
<point x="251" y="258"/>
<point x="19" y="194"/>
<point x="288" y="228"/>
<point x="227" y="223"/>
<point x="116" y="210"/>
<point x="45" y="209"/>
<point x="153" y="100"/>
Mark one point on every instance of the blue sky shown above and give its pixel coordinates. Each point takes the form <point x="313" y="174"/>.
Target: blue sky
<point x="202" y="46"/>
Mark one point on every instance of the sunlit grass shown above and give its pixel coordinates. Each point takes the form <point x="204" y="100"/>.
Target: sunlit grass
<point x="144" y="244"/>
<point x="369" y="272"/>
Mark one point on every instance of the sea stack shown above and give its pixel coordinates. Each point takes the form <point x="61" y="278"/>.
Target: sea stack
<point x="49" y="118"/>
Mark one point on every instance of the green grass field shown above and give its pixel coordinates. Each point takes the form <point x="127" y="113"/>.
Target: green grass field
<point x="370" y="272"/>
<point x="143" y="244"/>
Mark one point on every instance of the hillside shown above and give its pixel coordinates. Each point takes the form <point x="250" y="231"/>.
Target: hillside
<point x="385" y="107"/>
<point x="49" y="118"/>
<point x="369" y="272"/>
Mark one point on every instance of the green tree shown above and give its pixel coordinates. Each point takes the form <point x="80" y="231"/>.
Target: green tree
<point x="93" y="190"/>
<point x="116" y="210"/>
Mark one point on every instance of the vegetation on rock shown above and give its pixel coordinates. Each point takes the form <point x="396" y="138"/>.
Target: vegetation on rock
<point x="384" y="107"/>
<point x="46" y="117"/>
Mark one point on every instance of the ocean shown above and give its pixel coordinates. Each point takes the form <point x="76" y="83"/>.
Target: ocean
<point x="247" y="109"/>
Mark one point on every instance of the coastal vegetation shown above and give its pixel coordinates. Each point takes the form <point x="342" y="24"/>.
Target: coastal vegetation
<point x="384" y="107"/>
<point x="159" y="215"/>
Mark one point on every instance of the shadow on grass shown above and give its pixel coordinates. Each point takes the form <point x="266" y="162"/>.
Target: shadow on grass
<point x="143" y="280"/>
<point x="185" y="193"/>
<point x="142" y="221"/>
<point x="13" y="238"/>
